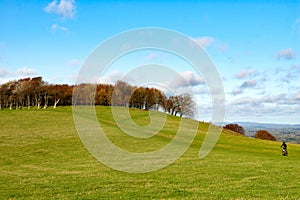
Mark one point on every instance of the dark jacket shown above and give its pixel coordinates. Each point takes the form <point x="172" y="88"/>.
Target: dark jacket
<point x="284" y="146"/>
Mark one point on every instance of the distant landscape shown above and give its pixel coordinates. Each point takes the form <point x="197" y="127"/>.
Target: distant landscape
<point x="282" y="132"/>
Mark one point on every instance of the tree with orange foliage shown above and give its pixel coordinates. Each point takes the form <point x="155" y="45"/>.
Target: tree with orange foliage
<point x="265" y="135"/>
<point x="236" y="128"/>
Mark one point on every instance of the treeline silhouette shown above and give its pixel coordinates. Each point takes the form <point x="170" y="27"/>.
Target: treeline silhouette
<point x="35" y="92"/>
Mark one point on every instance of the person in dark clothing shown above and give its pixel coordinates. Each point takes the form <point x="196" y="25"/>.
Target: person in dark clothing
<point x="284" y="149"/>
<point x="284" y="146"/>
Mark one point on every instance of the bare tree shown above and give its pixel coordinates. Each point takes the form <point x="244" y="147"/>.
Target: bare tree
<point x="121" y="93"/>
<point x="186" y="105"/>
<point x="37" y="89"/>
<point x="180" y="104"/>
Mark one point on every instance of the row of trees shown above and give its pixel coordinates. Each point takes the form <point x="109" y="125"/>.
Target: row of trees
<point x="30" y="92"/>
<point x="34" y="92"/>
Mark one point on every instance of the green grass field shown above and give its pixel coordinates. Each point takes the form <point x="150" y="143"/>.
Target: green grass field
<point x="42" y="157"/>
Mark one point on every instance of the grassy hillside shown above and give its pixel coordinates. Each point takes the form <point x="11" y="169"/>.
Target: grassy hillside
<point x="42" y="157"/>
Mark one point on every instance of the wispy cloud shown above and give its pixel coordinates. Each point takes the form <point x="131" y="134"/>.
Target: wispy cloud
<point x="223" y="47"/>
<point x="288" y="75"/>
<point x="259" y="101"/>
<point x="6" y="75"/>
<point x="297" y="96"/>
<point x="56" y="27"/>
<point x="205" y="41"/>
<point x="208" y="41"/>
<point x="63" y="8"/>
<point x="187" y="78"/>
<point x="25" y="71"/>
<point x="156" y="56"/>
<point x="74" y="62"/>
<point x="152" y="56"/>
<point x="112" y="77"/>
<point x="248" y="84"/>
<point x="287" y="54"/>
<point x="245" y="85"/>
<point x="193" y="79"/>
<point x="296" y="26"/>
<point x="237" y="91"/>
<point x="246" y="74"/>
<point x="3" y="72"/>
<point x="260" y="106"/>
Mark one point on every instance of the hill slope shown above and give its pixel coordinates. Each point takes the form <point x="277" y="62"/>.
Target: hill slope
<point x="282" y="132"/>
<point x="42" y="157"/>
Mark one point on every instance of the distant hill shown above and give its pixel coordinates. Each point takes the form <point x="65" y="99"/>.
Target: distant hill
<point x="268" y="125"/>
<point x="282" y="132"/>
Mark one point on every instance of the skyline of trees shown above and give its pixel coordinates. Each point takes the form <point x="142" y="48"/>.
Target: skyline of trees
<point x="34" y="92"/>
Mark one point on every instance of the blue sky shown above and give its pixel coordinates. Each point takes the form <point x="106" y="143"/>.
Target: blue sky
<point x="254" y="45"/>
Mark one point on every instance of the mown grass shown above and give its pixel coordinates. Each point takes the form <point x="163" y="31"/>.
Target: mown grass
<point x="42" y="157"/>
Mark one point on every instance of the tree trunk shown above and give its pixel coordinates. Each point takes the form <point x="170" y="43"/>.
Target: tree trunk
<point x="38" y="101"/>
<point x="55" y="103"/>
<point x="28" y="101"/>
<point x="46" y="101"/>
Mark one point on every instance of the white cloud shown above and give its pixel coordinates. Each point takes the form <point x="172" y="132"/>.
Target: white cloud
<point x="289" y="76"/>
<point x="287" y="54"/>
<point x="205" y="41"/>
<point x="187" y="78"/>
<point x="25" y="71"/>
<point x="112" y="77"/>
<point x="237" y="91"/>
<point x="193" y="79"/>
<point x="268" y="108"/>
<point x="63" y="8"/>
<point x="297" y="97"/>
<point x="208" y="41"/>
<point x="55" y="27"/>
<point x="245" y="74"/>
<point x="248" y="84"/>
<point x="278" y="99"/>
<point x="3" y="73"/>
<point x="258" y="85"/>
<point x="243" y="101"/>
<point x="153" y="56"/>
